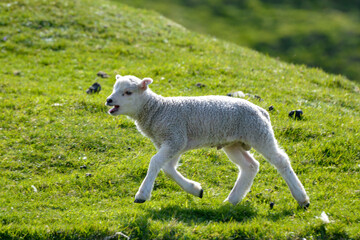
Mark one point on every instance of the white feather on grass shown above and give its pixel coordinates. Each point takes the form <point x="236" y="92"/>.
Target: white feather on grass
<point x="323" y="217"/>
<point x="34" y="188"/>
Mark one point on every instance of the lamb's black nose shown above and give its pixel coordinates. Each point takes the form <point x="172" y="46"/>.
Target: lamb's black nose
<point x="109" y="100"/>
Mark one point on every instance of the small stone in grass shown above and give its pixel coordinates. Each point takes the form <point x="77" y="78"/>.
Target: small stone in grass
<point x="297" y="114"/>
<point x="95" y="88"/>
<point x="254" y="96"/>
<point x="258" y="98"/>
<point x="102" y="74"/>
<point x="200" y="85"/>
<point x="236" y="94"/>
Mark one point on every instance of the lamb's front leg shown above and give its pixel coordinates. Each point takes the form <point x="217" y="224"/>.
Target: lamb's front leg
<point x="157" y="161"/>
<point x="188" y="185"/>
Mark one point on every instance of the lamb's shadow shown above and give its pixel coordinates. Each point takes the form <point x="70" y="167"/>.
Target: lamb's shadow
<point x="276" y="215"/>
<point x="191" y="215"/>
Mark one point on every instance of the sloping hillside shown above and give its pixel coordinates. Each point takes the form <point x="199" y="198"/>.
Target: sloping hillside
<point x="70" y="171"/>
<point x="324" y="34"/>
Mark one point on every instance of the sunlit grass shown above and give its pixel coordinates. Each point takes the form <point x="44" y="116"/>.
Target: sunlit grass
<point x="50" y="129"/>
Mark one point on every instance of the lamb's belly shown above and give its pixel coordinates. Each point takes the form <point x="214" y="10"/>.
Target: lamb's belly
<point x="210" y="142"/>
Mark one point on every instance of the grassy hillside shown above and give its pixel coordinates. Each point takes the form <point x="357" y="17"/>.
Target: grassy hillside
<point x="321" y="34"/>
<point x="50" y="52"/>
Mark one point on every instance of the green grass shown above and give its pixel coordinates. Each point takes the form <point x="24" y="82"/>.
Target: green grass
<point x="50" y="53"/>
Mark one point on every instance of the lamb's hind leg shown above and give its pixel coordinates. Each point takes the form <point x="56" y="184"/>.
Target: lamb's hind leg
<point x="248" y="167"/>
<point x="280" y="160"/>
<point x="189" y="186"/>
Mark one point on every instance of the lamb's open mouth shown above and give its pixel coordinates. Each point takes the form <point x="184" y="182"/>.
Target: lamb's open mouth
<point x="114" y="109"/>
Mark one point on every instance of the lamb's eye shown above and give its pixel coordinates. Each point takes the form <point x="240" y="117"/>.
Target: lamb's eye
<point x="128" y="93"/>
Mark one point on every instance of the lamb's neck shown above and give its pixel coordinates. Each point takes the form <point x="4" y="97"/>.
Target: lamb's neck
<point x="151" y="105"/>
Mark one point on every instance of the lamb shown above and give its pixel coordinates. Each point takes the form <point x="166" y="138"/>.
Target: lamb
<point x="178" y="124"/>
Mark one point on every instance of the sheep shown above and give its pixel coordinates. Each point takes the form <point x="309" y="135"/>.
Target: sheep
<point x="178" y="124"/>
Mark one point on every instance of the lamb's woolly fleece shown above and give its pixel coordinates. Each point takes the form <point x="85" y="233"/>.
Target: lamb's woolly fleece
<point x="209" y="121"/>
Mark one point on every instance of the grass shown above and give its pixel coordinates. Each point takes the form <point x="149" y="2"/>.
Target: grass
<point x="50" y="53"/>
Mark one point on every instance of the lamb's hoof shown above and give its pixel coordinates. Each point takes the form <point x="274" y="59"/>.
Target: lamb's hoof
<point x="201" y="193"/>
<point x="139" y="201"/>
<point x="306" y="206"/>
<point x="231" y="202"/>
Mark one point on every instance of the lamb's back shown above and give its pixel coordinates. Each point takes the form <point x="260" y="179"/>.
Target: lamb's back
<point x="208" y="120"/>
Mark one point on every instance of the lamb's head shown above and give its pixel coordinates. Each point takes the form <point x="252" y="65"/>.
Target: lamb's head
<point x="128" y="95"/>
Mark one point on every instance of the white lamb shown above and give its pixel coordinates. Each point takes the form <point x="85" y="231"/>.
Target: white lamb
<point x="178" y="124"/>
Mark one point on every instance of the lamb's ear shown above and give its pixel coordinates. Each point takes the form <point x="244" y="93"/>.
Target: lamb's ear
<point x="144" y="83"/>
<point x="118" y="77"/>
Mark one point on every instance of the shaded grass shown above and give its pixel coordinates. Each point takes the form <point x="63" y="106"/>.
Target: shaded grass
<point x="296" y="31"/>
